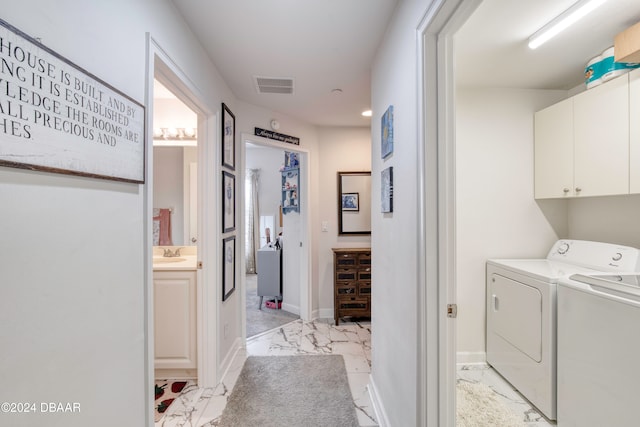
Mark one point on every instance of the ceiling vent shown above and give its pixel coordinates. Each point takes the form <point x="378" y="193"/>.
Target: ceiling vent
<point x="274" y="85"/>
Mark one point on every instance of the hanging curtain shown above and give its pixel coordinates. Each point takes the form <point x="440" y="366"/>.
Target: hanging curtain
<point x="252" y="219"/>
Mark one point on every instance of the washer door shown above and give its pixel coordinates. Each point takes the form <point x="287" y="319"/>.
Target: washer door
<point x="516" y="315"/>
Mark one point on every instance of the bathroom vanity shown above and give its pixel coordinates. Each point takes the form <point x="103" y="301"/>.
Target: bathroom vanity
<point x="174" y="307"/>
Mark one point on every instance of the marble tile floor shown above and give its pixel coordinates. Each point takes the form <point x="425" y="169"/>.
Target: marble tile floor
<point x="506" y="393"/>
<point x="202" y="407"/>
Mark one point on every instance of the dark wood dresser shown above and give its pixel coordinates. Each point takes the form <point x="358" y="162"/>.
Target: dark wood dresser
<point x="351" y="282"/>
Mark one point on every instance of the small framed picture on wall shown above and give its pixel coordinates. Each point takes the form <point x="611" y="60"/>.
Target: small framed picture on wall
<point x="228" y="266"/>
<point x="350" y="202"/>
<point x="386" y="189"/>
<point x="387" y="133"/>
<point x="228" y="202"/>
<point x="228" y="138"/>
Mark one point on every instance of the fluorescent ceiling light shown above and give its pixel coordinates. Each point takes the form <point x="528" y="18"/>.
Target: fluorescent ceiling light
<point x="563" y="21"/>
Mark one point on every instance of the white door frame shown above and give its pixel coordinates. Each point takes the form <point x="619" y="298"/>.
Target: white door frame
<point x="305" y="205"/>
<point x="437" y="177"/>
<point x="161" y="66"/>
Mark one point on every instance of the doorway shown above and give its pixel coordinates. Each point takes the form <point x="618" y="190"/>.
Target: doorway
<point x="174" y="239"/>
<point x="265" y="158"/>
<point x="196" y="229"/>
<point x="437" y="204"/>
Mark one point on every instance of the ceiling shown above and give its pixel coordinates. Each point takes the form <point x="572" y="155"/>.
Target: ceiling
<point x="322" y="44"/>
<point x="491" y="48"/>
<point x="330" y="44"/>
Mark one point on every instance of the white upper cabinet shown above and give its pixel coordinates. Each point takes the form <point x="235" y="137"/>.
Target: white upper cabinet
<point x="554" y="151"/>
<point x="634" y="131"/>
<point x="582" y="144"/>
<point x="601" y="137"/>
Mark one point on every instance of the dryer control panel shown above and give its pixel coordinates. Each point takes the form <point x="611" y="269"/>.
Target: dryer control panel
<point x="596" y="255"/>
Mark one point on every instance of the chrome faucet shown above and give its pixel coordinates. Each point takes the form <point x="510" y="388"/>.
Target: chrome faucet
<point x="170" y="254"/>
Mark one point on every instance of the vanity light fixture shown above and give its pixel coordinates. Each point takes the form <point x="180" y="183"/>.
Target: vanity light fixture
<point x="175" y="136"/>
<point x="563" y="21"/>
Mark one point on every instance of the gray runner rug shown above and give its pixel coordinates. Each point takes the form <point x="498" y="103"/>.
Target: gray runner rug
<point x="291" y="391"/>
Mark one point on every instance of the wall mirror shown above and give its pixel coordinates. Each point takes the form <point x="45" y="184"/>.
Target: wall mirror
<point x="175" y="169"/>
<point x="354" y="203"/>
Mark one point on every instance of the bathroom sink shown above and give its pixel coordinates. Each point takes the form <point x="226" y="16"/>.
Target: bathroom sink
<point x="164" y="260"/>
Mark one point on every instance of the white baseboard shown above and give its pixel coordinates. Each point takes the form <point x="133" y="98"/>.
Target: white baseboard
<point x="378" y="407"/>
<point x="293" y="309"/>
<point x="471" y="358"/>
<point x="228" y="359"/>
<point x="325" y="313"/>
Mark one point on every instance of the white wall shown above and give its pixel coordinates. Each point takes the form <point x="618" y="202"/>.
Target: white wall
<point x="611" y="219"/>
<point x="394" y="238"/>
<point x="497" y="216"/>
<point x="348" y="150"/>
<point x="72" y="300"/>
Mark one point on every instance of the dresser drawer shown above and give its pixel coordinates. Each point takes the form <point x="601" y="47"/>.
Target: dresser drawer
<point x="346" y="289"/>
<point x="346" y="275"/>
<point x="348" y="305"/>
<point x="364" y="259"/>
<point x="364" y="274"/>
<point x="346" y="260"/>
<point x="364" y="289"/>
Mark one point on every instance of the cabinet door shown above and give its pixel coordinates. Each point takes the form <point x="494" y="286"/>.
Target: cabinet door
<point x="175" y="319"/>
<point x="634" y="131"/>
<point x="601" y="134"/>
<point x="554" y="151"/>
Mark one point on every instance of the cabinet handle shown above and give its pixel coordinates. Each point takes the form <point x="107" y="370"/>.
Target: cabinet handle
<point x="565" y="190"/>
<point x="578" y="189"/>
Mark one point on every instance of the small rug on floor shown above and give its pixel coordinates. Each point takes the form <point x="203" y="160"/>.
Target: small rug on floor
<point x="478" y="406"/>
<point x="166" y="392"/>
<point x="291" y="391"/>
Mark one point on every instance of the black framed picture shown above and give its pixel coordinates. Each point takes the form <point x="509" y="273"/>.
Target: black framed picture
<point x="228" y="138"/>
<point x="228" y="266"/>
<point x="350" y="202"/>
<point x="228" y="202"/>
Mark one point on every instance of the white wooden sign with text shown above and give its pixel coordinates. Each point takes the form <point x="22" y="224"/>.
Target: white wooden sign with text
<point x="57" y="117"/>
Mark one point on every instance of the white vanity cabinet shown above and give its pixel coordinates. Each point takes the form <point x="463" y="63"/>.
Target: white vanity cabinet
<point x="634" y="131"/>
<point x="582" y="144"/>
<point x="175" y="323"/>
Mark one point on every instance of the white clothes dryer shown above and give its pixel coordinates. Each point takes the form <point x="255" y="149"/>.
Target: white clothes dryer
<point x="521" y="312"/>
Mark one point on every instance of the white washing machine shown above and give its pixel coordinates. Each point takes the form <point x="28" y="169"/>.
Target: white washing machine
<point x="598" y="349"/>
<point x="521" y="312"/>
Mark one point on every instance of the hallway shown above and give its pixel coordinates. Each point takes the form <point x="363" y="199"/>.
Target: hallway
<point x="203" y="407"/>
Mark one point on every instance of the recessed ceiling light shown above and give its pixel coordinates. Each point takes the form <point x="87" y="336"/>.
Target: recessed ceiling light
<point x="367" y="113"/>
